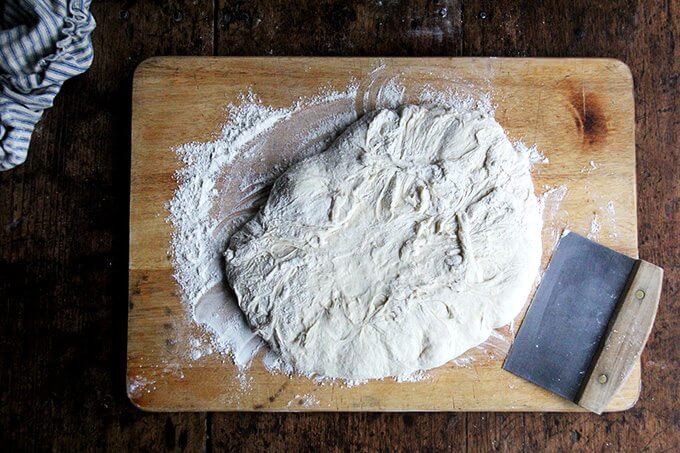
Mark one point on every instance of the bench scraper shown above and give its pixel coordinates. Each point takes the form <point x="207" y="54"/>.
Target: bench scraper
<point x="588" y="322"/>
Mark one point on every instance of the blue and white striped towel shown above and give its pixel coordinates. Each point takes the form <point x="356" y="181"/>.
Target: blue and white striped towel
<point x="42" y="44"/>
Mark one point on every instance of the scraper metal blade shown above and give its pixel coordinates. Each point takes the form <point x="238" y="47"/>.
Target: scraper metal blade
<point x="587" y="323"/>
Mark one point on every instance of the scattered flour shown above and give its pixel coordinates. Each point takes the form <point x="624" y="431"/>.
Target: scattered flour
<point x="391" y="95"/>
<point x="610" y="208"/>
<point x="464" y="360"/>
<point x="550" y="201"/>
<point x="594" y="228"/>
<point x="611" y="213"/>
<point x="306" y="400"/>
<point x="535" y="156"/>
<point x="202" y="227"/>
<point x="257" y="143"/>
<point x="416" y="376"/>
<point x="590" y="167"/>
<point x="139" y="385"/>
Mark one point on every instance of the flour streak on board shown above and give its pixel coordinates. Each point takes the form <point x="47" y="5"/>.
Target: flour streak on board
<point x="222" y="184"/>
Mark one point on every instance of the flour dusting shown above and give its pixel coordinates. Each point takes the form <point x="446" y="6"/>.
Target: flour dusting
<point x="595" y="228"/>
<point x="611" y="215"/>
<point x="306" y="400"/>
<point x="551" y="202"/>
<point x="535" y="156"/>
<point x="592" y="166"/>
<point x="262" y="141"/>
<point x="416" y="376"/>
<point x="139" y="385"/>
<point x="202" y="226"/>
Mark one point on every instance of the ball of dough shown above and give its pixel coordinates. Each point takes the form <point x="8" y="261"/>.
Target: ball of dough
<point x="404" y="244"/>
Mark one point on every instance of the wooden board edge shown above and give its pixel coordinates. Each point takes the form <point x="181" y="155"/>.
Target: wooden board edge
<point x="150" y="64"/>
<point x="138" y="75"/>
<point x="560" y="406"/>
<point x="615" y="64"/>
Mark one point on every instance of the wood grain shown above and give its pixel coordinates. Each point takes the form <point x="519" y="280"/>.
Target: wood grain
<point x="63" y="253"/>
<point x="576" y="111"/>
<point x="61" y="383"/>
<point x="626" y="336"/>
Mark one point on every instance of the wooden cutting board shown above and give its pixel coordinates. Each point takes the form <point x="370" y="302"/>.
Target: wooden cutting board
<point x="579" y="113"/>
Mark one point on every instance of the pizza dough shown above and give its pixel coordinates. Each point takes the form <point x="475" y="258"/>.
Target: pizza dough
<point x="404" y="244"/>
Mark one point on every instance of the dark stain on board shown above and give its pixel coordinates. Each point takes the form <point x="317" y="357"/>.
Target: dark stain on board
<point x="273" y="397"/>
<point x="589" y="116"/>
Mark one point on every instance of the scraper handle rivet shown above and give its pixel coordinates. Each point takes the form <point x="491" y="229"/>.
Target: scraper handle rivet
<point x="602" y="379"/>
<point x="639" y="294"/>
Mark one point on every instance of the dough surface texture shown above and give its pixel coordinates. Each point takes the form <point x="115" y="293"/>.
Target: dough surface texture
<point x="404" y="244"/>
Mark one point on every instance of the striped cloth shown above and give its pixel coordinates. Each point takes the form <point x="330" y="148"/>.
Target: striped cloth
<point x="42" y="44"/>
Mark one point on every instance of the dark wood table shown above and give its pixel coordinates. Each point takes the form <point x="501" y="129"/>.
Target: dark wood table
<point x="64" y="223"/>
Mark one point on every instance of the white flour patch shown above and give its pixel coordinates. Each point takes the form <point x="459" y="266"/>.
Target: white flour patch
<point x="174" y="370"/>
<point x="590" y="167"/>
<point x="535" y="156"/>
<point x="275" y="364"/>
<point x="195" y="248"/>
<point x="201" y="227"/>
<point x="550" y="201"/>
<point x="416" y="376"/>
<point x="257" y="143"/>
<point x="611" y="214"/>
<point x="349" y="383"/>
<point x="245" y="381"/>
<point x="306" y="400"/>
<point x="610" y="208"/>
<point x="140" y="385"/>
<point x="457" y="100"/>
<point x="391" y="95"/>
<point x="595" y="227"/>
<point x="464" y="360"/>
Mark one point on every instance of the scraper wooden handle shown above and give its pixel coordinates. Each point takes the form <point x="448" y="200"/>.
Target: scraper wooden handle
<point x="625" y="338"/>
